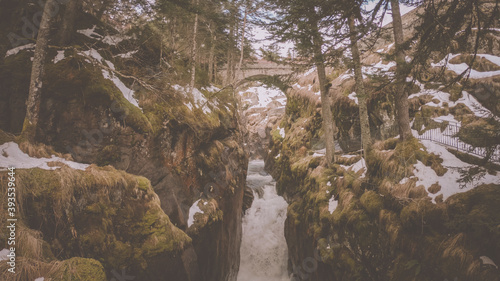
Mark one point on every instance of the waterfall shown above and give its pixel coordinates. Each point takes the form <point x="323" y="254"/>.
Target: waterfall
<point x="263" y="250"/>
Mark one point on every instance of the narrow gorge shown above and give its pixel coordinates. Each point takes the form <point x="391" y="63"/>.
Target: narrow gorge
<point x="249" y="140"/>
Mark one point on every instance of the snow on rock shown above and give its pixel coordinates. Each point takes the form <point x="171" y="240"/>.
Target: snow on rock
<point x="356" y="167"/>
<point x="332" y="204"/>
<point x="18" y="49"/>
<point x="90" y="32"/>
<point x="59" y="57"/>
<point x="3" y="254"/>
<point x="40" y="279"/>
<point x="448" y="182"/>
<point x="127" y="55"/>
<point x="12" y="156"/>
<point x="310" y="71"/>
<point x="199" y="99"/>
<point x="487" y="260"/>
<point x="319" y="153"/>
<point x="113" y="40"/>
<point x="353" y="97"/>
<point x="266" y="95"/>
<point x="461" y="67"/>
<point x="467" y="99"/>
<point x="127" y="92"/>
<point x="281" y="131"/>
<point x="192" y="211"/>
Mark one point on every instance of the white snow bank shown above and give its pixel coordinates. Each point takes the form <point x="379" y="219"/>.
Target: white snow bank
<point x="448" y="182"/>
<point x="40" y="279"/>
<point x="12" y="156"/>
<point x="192" y="211"/>
<point x="18" y="49"/>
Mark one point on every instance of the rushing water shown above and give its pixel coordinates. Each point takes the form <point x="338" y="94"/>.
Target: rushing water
<point x="263" y="249"/>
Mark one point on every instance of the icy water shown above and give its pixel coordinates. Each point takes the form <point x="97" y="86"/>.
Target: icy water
<point x="263" y="248"/>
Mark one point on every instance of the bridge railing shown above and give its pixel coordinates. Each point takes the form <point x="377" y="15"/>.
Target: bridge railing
<point x="449" y="137"/>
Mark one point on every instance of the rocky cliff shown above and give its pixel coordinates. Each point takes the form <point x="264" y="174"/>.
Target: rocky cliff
<point x="156" y="153"/>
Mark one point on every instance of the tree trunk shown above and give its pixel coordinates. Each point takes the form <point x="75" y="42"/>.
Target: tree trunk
<point x="401" y="96"/>
<point x="211" y="57"/>
<point x="37" y="70"/>
<point x="326" y="106"/>
<point x="68" y="23"/>
<point x="194" y="53"/>
<point x="360" y="90"/>
<point x="242" y="45"/>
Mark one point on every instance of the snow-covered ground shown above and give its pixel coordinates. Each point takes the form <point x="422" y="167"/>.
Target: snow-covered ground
<point x="12" y="156"/>
<point x="448" y="182"/>
<point x="461" y="67"/>
<point x="265" y="95"/>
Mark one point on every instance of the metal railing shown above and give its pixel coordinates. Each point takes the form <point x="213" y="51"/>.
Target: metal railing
<point x="448" y="136"/>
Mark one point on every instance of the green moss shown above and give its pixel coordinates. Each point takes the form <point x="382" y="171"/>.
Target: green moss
<point x="143" y="183"/>
<point x="372" y="202"/>
<point x="79" y="269"/>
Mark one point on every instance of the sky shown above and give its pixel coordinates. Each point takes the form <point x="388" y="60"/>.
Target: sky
<point x="260" y="34"/>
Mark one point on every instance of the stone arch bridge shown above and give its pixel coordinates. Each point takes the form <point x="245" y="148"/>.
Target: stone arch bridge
<point x="257" y="71"/>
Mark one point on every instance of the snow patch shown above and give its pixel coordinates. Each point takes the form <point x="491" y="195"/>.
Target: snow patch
<point x="18" y="49"/>
<point x="332" y="204"/>
<point x="448" y="182"/>
<point x="192" y="211"/>
<point x="127" y="55"/>
<point x="356" y="167"/>
<point x="282" y="132"/>
<point x="90" y="32"/>
<point x="12" y="156"/>
<point x="353" y="97"/>
<point x="59" y="57"/>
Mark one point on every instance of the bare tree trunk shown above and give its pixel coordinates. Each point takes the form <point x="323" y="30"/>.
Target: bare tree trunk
<point x="329" y="127"/>
<point x="37" y="70"/>
<point x="360" y="90"/>
<point x="242" y="45"/>
<point x="211" y="57"/>
<point x="68" y="23"/>
<point x="194" y="52"/>
<point x="402" y="107"/>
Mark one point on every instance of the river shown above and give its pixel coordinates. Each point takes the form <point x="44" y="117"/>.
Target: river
<point x="263" y="250"/>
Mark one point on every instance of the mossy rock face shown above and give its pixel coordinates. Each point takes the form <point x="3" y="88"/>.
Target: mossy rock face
<point x="102" y="213"/>
<point x="79" y="269"/>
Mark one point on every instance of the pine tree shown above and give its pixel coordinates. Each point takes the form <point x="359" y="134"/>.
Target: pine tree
<point x="37" y="71"/>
